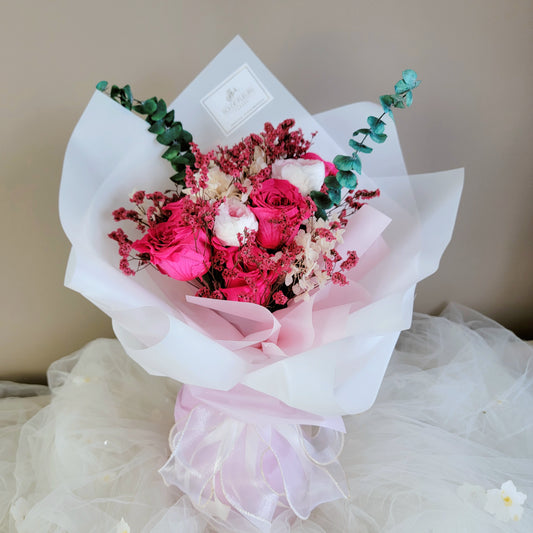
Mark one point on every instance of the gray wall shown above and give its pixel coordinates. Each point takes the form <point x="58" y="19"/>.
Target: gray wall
<point x="473" y="110"/>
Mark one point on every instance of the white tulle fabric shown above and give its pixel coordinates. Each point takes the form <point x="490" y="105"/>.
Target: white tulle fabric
<point x="454" y="408"/>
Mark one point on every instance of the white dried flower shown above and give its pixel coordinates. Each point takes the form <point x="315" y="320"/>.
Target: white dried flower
<point x="258" y="162"/>
<point x="219" y="185"/>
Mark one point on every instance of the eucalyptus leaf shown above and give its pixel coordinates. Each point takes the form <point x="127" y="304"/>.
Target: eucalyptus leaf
<point x="361" y="131"/>
<point x="126" y="91"/>
<point x="160" y="111"/>
<point x="176" y="165"/>
<point x="101" y="85"/>
<point x="321" y="213"/>
<point x="186" y="137"/>
<point x="345" y="162"/>
<point x="157" y="127"/>
<point x="322" y="200"/>
<point x="332" y="183"/>
<point x="347" y="179"/>
<point x="360" y="146"/>
<point x="150" y="105"/>
<point x="189" y="158"/>
<point x="386" y="102"/>
<point x="378" y="137"/>
<point x="183" y="159"/>
<point x="139" y="108"/>
<point x="401" y="87"/>
<point x="409" y="77"/>
<point x="170" y="135"/>
<point x="169" y="118"/>
<point x="335" y="196"/>
<point x="171" y="153"/>
<point x="399" y="102"/>
<point x="356" y="162"/>
<point x="376" y="124"/>
<point x="386" y="99"/>
<point x="179" y="177"/>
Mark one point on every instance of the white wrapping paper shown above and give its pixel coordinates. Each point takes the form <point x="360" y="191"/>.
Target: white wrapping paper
<point x="330" y="369"/>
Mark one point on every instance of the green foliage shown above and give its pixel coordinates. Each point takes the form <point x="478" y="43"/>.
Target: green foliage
<point x="334" y="189"/>
<point x="347" y="179"/>
<point x="345" y="162"/>
<point x="322" y="200"/>
<point x="376" y="125"/>
<point x="378" y="137"/>
<point x="157" y="127"/>
<point x="160" y="111"/>
<point x="360" y="146"/>
<point x="162" y="124"/>
<point x="349" y="166"/>
<point x="403" y="93"/>
<point x="101" y="86"/>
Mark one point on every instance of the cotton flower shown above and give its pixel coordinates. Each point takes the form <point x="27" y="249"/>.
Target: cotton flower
<point x="505" y="503"/>
<point x="232" y="219"/>
<point x="305" y="174"/>
<point x="123" y="527"/>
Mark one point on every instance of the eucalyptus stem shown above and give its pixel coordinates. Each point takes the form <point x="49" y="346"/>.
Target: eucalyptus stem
<point x="349" y="166"/>
<point x="168" y="132"/>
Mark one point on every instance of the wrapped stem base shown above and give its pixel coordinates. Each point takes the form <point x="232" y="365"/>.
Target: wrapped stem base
<point x="242" y="474"/>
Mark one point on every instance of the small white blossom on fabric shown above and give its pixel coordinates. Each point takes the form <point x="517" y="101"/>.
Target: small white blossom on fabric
<point x="306" y="174"/>
<point x="505" y="503"/>
<point x="123" y="527"/>
<point x="232" y="219"/>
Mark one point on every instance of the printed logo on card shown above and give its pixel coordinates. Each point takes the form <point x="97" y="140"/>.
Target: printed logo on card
<point x="240" y="96"/>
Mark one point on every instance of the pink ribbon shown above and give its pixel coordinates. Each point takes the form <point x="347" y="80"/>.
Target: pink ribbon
<point x="243" y="464"/>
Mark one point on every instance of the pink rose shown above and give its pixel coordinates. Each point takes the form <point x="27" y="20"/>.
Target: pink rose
<point x="280" y="209"/>
<point x="223" y="256"/>
<point x="331" y="169"/>
<point x="177" y="250"/>
<point x="252" y="285"/>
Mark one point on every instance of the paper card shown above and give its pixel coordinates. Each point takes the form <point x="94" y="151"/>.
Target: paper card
<point x="235" y="95"/>
<point x="237" y="99"/>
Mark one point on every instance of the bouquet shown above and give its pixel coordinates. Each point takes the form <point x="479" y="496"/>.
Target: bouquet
<point x="270" y="275"/>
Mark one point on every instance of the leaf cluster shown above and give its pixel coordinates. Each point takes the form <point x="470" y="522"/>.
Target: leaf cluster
<point x="349" y="166"/>
<point x="168" y="132"/>
<point x="403" y="93"/>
